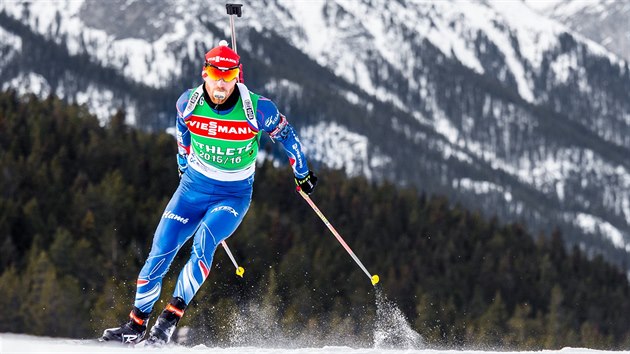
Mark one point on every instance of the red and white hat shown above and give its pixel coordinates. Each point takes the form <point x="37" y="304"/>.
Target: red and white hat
<point x="223" y="57"/>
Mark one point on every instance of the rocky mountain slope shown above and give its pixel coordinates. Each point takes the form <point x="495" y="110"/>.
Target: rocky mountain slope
<point x="604" y="21"/>
<point x="489" y="102"/>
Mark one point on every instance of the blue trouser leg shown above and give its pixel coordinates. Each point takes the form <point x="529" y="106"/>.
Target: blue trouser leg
<point x="215" y="209"/>
<point x="219" y="223"/>
<point x="179" y="220"/>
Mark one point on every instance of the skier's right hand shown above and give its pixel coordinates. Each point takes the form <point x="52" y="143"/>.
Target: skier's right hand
<point x="307" y="183"/>
<point x="182" y="164"/>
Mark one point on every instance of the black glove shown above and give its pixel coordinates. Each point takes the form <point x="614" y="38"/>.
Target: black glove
<point x="308" y="183"/>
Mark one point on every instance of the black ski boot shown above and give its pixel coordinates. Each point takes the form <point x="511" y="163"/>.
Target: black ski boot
<point x="131" y="332"/>
<point x="164" y="327"/>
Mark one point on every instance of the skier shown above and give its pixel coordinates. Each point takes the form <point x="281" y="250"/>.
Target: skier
<point x="218" y="130"/>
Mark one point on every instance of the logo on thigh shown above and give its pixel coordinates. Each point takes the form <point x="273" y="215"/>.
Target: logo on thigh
<point x="229" y="209"/>
<point x="170" y="215"/>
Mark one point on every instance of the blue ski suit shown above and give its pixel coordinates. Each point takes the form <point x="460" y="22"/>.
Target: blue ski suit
<point x="209" y="203"/>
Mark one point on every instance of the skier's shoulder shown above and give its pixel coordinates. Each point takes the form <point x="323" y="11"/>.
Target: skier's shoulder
<point x="269" y="116"/>
<point x="182" y="101"/>
<point x="256" y="96"/>
<point x="267" y="113"/>
<point x="266" y="107"/>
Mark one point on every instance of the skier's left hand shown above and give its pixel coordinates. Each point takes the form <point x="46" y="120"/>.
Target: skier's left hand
<point x="182" y="164"/>
<point x="308" y="183"/>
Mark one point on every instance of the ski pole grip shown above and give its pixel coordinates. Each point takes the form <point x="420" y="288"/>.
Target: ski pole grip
<point x="234" y="9"/>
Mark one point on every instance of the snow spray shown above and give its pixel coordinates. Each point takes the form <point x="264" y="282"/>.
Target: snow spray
<point x="391" y="329"/>
<point x="256" y="325"/>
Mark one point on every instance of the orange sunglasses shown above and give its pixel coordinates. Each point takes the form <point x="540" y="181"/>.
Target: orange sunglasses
<point x="217" y="74"/>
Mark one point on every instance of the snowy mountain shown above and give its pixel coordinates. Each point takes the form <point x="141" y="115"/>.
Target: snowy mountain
<point x="604" y="21"/>
<point x="488" y="102"/>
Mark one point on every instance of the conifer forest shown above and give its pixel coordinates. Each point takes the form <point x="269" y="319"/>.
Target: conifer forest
<point x="79" y="203"/>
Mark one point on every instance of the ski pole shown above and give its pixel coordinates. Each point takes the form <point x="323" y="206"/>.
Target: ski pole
<point x="373" y="278"/>
<point x="239" y="270"/>
<point x="233" y="9"/>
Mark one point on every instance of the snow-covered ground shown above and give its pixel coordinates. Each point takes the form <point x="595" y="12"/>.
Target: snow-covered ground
<point x="392" y="335"/>
<point x="24" y="344"/>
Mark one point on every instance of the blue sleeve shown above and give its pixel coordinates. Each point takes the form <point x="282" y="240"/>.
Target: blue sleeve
<point x="183" y="135"/>
<point x="279" y="129"/>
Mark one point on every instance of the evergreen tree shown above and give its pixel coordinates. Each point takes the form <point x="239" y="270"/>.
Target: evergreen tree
<point x="80" y="202"/>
